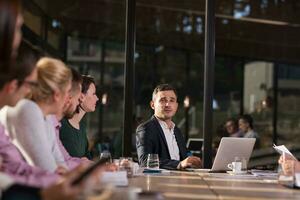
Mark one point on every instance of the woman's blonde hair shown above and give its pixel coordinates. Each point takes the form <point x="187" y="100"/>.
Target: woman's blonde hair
<point x="52" y="75"/>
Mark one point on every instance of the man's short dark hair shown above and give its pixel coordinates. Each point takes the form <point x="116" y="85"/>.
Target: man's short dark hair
<point x="20" y="69"/>
<point x="232" y="119"/>
<point x="163" y="87"/>
<point x="248" y="119"/>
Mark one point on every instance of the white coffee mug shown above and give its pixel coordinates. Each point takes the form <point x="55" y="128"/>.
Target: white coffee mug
<point x="236" y="167"/>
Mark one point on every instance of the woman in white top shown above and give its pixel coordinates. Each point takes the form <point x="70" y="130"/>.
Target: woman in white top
<point x="27" y="123"/>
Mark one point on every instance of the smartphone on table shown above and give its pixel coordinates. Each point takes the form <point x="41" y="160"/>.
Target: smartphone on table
<point x="90" y="170"/>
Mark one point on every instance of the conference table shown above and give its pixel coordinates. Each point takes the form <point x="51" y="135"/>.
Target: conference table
<point x="195" y="185"/>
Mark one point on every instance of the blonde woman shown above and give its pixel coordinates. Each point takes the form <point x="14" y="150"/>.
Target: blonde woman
<point x="26" y="122"/>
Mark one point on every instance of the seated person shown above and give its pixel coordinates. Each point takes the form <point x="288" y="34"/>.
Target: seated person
<point x="232" y="128"/>
<point x="159" y="135"/>
<point x="15" y="86"/>
<point x="60" y="190"/>
<point x="26" y="122"/>
<point x="246" y="127"/>
<point x="68" y="112"/>
<point x="15" y="83"/>
<point x="73" y="130"/>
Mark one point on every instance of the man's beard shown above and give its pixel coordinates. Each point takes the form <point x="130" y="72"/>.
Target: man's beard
<point x="77" y="110"/>
<point x="69" y="114"/>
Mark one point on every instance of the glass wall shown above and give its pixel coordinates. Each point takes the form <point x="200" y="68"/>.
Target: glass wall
<point x="88" y="36"/>
<point x="170" y="43"/>
<point x="288" y="104"/>
<point x="254" y="39"/>
<point x="262" y="37"/>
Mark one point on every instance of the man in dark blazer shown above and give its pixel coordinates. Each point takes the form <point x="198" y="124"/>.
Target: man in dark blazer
<point x="159" y="135"/>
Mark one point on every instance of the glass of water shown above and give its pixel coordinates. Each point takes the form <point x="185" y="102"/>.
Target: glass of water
<point x="106" y="154"/>
<point x="126" y="164"/>
<point x="153" y="161"/>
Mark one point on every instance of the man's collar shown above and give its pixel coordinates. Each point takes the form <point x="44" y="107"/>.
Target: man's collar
<point x="55" y="121"/>
<point x="164" y="124"/>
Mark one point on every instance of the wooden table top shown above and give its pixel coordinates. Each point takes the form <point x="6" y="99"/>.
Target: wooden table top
<point x="191" y="185"/>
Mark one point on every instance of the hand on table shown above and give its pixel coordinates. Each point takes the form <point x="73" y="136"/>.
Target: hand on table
<point x="65" y="190"/>
<point x="191" y="161"/>
<point x="286" y="157"/>
<point x="61" y="170"/>
<point x="289" y="165"/>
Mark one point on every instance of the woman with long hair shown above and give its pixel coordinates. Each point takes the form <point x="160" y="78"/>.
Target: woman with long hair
<point x="73" y="131"/>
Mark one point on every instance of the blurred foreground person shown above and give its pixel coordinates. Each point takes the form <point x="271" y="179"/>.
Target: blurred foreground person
<point x="26" y="122"/>
<point x="15" y="82"/>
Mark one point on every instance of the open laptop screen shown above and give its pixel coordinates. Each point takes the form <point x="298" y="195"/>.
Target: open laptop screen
<point x="195" y="145"/>
<point x="229" y="149"/>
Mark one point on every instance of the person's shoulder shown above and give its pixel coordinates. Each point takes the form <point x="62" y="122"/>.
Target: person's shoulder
<point x="65" y="129"/>
<point x="147" y="123"/>
<point x="3" y="114"/>
<point x="26" y="102"/>
<point x="65" y="124"/>
<point x="26" y="105"/>
<point x="176" y="128"/>
<point x="63" y="120"/>
<point x="255" y="134"/>
<point x="25" y="110"/>
<point x="52" y="119"/>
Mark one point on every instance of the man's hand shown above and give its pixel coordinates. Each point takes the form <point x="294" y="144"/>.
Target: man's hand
<point x="61" y="170"/>
<point x="284" y="158"/>
<point x="289" y="165"/>
<point x="191" y="161"/>
<point x="64" y="188"/>
<point x="85" y="159"/>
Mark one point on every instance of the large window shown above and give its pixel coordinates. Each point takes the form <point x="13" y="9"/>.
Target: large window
<point x="254" y="39"/>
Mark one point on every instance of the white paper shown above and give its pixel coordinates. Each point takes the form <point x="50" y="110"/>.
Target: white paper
<point x="297" y="179"/>
<point x="282" y="149"/>
<point x="115" y="178"/>
<point x="264" y="173"/>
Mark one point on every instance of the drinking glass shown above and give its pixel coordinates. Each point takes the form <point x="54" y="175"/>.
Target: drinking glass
<point x="106" y="154"/>
<point x="153" y="161"/>
<point x="126" y="163"/>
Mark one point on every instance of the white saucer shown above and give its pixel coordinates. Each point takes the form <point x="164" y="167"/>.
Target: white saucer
<point x="237" y="173"/>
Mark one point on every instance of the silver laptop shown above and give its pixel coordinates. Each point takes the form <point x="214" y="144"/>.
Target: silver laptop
<point x="230" y="148"/>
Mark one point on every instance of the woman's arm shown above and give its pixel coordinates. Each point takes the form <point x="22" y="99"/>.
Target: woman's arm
<point x="28" y="125"/>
